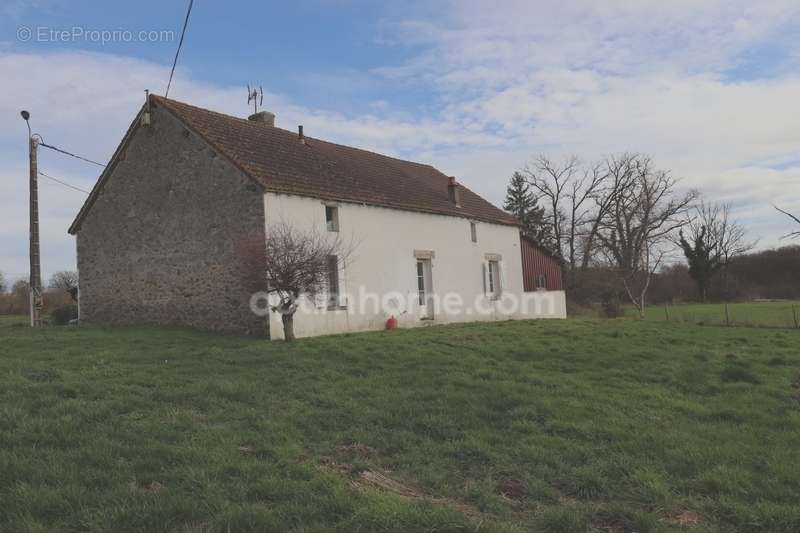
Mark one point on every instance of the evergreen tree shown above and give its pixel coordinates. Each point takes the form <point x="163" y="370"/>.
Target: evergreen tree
<point x="522" y="203"/>
<point x="704" y="260"/>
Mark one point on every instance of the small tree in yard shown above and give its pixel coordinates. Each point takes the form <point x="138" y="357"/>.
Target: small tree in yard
<point x="3" y="287"/>
<point x="290" y="263"/>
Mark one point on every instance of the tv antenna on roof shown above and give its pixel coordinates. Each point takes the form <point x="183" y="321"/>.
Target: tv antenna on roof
<point x="256" y="96"/>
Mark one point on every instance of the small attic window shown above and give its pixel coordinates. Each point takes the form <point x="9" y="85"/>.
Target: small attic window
<point x="332" y="218"/>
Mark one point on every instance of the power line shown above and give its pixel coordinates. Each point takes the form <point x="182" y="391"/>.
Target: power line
<point x="180" y="44"/>
<point x="64" y="183"/>
<point x="42" y="143"/>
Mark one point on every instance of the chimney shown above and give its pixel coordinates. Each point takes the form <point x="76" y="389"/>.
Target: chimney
<point x="452" y="191"/>
<point x="265" y="117"/>
<point x="300" y="134"/>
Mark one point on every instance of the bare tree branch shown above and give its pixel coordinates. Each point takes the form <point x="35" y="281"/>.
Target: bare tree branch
<point x="794" y="234"/>
<point x="291" y="263"/>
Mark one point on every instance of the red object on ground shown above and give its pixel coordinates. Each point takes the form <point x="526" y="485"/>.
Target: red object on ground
<point x="391" y="323"/>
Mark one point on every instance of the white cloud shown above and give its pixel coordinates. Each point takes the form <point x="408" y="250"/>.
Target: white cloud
<point x="593" y="78"/>
<point x="507" y="80"/>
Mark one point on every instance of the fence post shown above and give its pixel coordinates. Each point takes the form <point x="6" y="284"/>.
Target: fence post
<point x="794" y="314"/>
<point x="727" y="316"/>
<point x="666" y="312"/>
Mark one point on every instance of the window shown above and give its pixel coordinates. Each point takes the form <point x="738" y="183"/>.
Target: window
<point x="494" y="278"/>
<point x="425" y="289"/>
<point x="332" y="217"/>
<point x="541" y="281"/>
<point x="333" y="282"/>
<point x="421" y="281"/>
<point x="473" y="232"/>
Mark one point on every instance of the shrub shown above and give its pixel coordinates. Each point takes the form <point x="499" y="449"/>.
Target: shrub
<point x="62" y="315"/>
<point x="612" y="305"/>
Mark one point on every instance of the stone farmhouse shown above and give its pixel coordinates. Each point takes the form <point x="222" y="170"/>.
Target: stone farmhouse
<point x="157" y="237"/>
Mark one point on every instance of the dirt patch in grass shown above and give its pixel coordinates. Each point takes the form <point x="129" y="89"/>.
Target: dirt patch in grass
<point x="154" y="487"/>
<point x="513" y="489"/>
<point x="369" y="478"/>
<point x="380" y="481"/>
<point x="356" y="449"/>
<point x="374" y="479"/>
<point x="329" y="464"/>
<point x="685" y="519"/>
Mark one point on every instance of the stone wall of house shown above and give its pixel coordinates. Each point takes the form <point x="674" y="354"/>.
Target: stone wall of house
<point x="159" y="245"/>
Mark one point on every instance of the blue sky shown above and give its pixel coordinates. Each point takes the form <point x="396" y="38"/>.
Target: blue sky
<point x="708" y="88"/>
<point x="319" y="52"/>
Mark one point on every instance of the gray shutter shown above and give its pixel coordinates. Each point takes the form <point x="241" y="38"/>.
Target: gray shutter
<point x="342" y="285"/>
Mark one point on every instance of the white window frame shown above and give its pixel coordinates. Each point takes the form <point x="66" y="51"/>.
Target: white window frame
<point x="424" y="284"/>
<point x="332" y="224"/>
<point x="495" y="280"/>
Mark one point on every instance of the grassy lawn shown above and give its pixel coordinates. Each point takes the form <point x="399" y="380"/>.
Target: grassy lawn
<point x="761" y="313"/>
<point x="518" y="426"/>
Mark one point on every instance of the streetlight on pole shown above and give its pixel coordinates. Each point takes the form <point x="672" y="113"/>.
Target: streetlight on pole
<point x="35" y="283"/>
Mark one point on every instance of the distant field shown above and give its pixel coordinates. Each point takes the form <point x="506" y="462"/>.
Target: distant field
<point x="555" y="426"/>
<point x="767" y="314"/>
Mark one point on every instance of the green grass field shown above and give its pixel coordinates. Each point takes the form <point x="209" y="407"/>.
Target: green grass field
<point x="779" y="314"/>
<point x="574" y="425"/>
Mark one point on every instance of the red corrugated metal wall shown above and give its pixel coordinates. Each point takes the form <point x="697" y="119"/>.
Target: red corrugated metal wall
<point x="536" y="261"/>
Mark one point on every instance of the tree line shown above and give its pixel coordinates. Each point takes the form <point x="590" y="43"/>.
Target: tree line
<point x="617" y="223"/>
<point x="15" y="297"/>
<point x="765" y="274"/>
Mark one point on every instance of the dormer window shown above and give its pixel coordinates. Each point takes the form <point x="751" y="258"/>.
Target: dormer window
<point x="332" y="218"/>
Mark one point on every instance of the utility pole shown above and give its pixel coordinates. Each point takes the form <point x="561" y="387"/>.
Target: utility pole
<point x="35" y="283"/>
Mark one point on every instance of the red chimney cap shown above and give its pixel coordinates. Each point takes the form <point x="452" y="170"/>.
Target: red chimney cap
<point x="452" y="180"/>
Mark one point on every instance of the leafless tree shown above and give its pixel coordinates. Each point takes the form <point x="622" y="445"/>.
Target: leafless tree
<point x="65" y="280"/>
<point x="291" y="263"/>
<point x="729" y="236"/>
<point x="617" y="173"/>
<point x="794" y="234"/>
<point x="637" y="230"/>
<point x="575" y="205"/>
<point x="550" y="182"/>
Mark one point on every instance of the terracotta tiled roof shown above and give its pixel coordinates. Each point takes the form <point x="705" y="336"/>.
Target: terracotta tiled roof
<point x="277" y="159"/>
